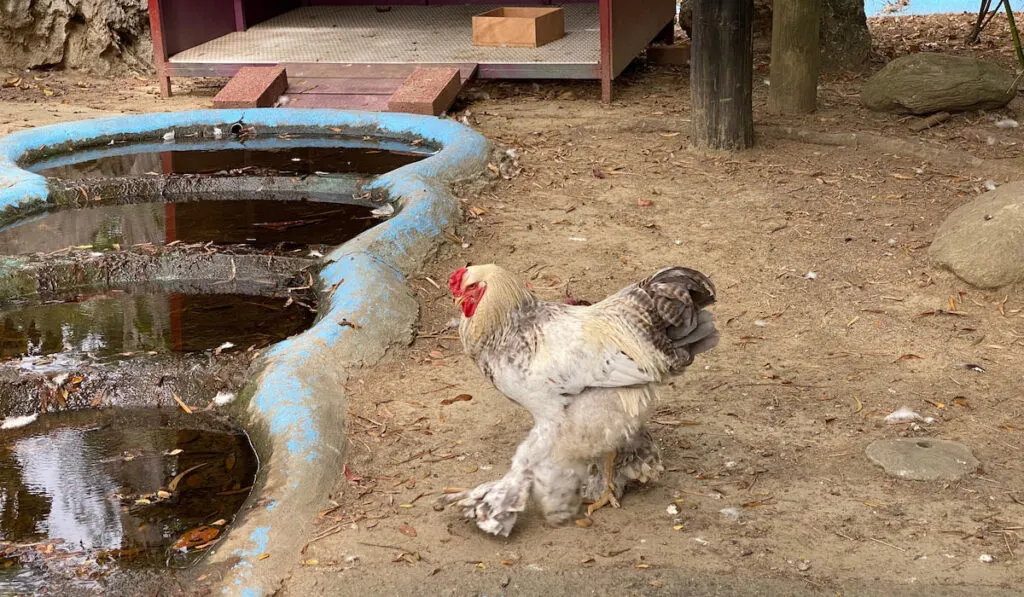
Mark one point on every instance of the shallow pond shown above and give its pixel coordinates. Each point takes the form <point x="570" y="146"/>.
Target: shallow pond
<point x="146" y="319"/>
<point x="85" y="493"/>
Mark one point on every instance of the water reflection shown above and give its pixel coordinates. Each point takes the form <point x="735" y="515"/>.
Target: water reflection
<point x="91" y="480"/>
<point x="259" y="223"/>
<point x="232" y="158"/>
<point x="65" y="474"/>
<point x="144" y="319"/>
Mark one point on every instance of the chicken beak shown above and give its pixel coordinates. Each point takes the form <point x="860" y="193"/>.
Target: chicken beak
<point x="459" y="300"/>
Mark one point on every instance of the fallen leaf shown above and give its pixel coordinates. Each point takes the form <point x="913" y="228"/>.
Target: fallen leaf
<point x="599" y="173"/>
<point x="174" y="452"/>
<point x="162" y="494"/>
<point x="229" y="462"/>
<point x="584" y="522"/>
<point x="196" y="537"/>
<point x="457" y="398"/>
<point x="173" y="485"/>
<point x="406" y="530"/>
<point x="182" y="404"/>
<point x="644" y="202"/>
<point x="219" y="523"/>
<point x="310" y="562"/>
<point x="350" y="475"/>
<point x="907" y="357"/>
<point x="143" y="501"/>
<point x="436" y="354"/>
<point x="642" y="566"/>
<point x="263" y="556"/>
<point x="477" y="211"/>
<point x="97" y="400"/>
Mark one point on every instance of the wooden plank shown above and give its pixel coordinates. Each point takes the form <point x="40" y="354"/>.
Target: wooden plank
<point x="257" y="11"/>
<point x="188" y="23"/>
<point x="253" y="87"/>
<point x="342" y="86"/>
<point x="632" y="29"/>
<point x="375" y="103"/>
<point x="427" y="91"/>
<point x="368" y="71"/>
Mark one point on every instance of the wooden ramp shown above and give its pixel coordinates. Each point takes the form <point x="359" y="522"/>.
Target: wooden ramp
<point x="415" y="88"/>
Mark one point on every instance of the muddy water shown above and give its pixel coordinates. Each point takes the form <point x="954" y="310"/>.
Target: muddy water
<point x="146" y="319"/>
<point x="258" y="223"/>
<point x="234" y="159"/>
<point x="82" y="493"/>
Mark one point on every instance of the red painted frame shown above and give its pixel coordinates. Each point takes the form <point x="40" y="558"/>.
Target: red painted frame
<point x="621" y="39"/>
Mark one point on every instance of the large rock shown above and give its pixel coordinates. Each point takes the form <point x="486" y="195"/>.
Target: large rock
<point x="101" y="35"/>
<point x="923" y="83"/>
<point x="923" y="459"/>
<point x="982" y="242"/>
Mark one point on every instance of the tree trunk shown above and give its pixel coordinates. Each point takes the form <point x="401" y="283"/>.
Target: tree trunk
<point x="795" y="55"/>
<point x="722" y="74"/>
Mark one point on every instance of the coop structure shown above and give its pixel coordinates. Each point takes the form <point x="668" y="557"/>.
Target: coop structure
<point x="361" y="49"/>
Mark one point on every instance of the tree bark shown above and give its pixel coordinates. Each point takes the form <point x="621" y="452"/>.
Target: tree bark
<point x="722" y="74"/>
<point x="795" y="56"/>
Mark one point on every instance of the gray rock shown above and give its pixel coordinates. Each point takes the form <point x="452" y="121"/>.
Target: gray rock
<point x="923" y="83"/>
<point x="982" y="242"/>
<point x="923" y="459"/>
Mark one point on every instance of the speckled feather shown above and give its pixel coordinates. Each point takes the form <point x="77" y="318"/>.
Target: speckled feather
<point x="586" y="373"/>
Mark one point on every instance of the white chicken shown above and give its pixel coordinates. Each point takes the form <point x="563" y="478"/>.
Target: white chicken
<point x="587" y="375"/>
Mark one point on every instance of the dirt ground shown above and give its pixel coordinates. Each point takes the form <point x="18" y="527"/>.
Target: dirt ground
<point x="773" y="422"/>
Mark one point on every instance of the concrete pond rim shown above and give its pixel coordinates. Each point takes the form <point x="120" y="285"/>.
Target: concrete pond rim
<point x="294" y="407"/>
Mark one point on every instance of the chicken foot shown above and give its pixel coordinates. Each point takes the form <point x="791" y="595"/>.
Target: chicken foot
<point x="608" y="496"/>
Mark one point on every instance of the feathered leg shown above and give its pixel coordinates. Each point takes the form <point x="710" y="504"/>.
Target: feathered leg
<point x="608" y="495"/>
<point x="639" y="461"/>
<point x="556" y="488"/>
<point x="496" y="505"/>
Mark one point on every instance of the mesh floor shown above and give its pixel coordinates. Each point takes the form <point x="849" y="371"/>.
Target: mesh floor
<point x="404" y="34"/>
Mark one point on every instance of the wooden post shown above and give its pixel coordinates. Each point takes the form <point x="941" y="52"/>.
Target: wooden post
<point x="156" y="31"/>
<point x="795" y="52"/>
<point x="722" y="74"/>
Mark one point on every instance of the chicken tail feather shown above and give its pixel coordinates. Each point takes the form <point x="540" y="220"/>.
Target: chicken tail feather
<point x="679" y="296"/>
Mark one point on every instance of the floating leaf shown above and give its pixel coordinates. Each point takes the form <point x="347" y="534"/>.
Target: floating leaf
<point x="182" y="404"/>
<point x="173" y="485"/>
<point x="197" y="537"/>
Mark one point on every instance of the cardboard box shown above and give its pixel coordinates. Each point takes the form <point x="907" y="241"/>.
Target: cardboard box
<point x="518" y="27"/>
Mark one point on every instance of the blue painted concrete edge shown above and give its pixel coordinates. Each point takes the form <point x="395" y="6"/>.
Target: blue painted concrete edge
<point x="289" y="398"/>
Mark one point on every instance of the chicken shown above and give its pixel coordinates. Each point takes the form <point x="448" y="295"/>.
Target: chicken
<point x="587" y="374"/>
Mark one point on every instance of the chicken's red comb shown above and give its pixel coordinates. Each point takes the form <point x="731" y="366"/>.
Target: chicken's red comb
<point x="455" y="281"/>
